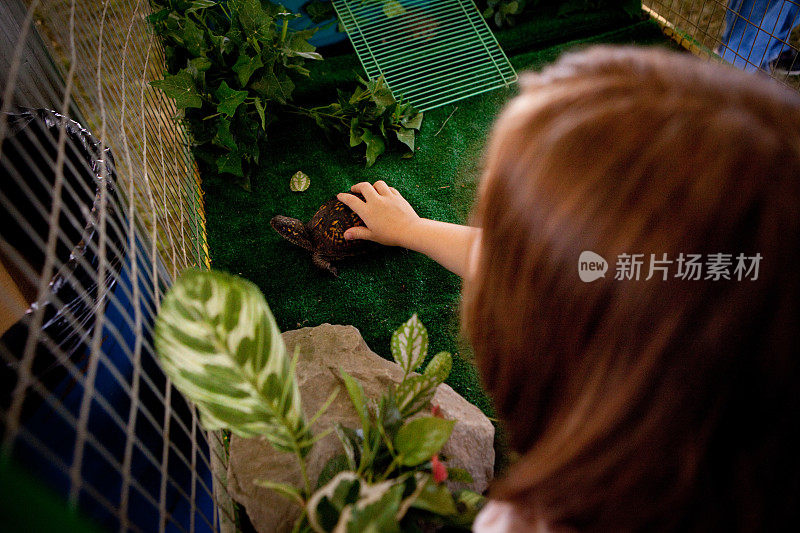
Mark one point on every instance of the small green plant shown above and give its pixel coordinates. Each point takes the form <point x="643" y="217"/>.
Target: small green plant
<point x="503" y="12"/>
<point x="228" y="65"/>
<point x="230" y="69"/>
<point x="370" y="116"/>
<point x="218" y="342"/>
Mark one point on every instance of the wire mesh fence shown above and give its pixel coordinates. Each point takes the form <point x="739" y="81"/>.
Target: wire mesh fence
<point x="753" y="35"/>
<point x="100" y="209"/>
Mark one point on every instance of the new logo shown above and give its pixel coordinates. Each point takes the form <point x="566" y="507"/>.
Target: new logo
<point x="591" y="266"/>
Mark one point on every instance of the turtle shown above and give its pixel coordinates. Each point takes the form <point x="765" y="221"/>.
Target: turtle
<point x="323" y="235"/>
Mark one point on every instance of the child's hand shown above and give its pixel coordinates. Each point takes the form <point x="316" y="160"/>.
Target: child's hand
<point x="389" y="218"/>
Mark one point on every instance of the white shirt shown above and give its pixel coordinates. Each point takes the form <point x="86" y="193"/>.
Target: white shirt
<point x="500" y="517"/>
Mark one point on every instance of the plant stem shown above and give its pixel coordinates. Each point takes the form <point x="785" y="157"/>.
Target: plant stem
<point x="390" y="468"/>
<point x="299" y="522"/>
<point x="303" y="471"/>
<point x="297" y="110"/>
<point x="285" y="29"/>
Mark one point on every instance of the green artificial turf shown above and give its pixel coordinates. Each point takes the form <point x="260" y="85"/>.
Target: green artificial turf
<point x="375" y="294"/>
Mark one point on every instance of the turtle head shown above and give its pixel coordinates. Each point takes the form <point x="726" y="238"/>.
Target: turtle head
<point x="292" y="230"/>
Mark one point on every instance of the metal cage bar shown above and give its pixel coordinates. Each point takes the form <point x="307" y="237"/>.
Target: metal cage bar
<point x="430" y="52"/>
<point x="101" y="209"/>
<point x="754" y="35"/>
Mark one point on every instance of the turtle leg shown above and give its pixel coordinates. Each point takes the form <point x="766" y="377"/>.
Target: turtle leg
<point x="324" y="264"/>
<point x="292" y="230"/>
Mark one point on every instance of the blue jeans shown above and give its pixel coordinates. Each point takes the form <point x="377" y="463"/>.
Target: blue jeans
<point x="754" y="30"/>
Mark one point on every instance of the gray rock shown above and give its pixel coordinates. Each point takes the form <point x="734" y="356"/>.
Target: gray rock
<point x="324" y="350"/>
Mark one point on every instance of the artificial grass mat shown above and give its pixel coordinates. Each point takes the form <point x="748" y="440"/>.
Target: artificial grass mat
<point x="377" y="293"/>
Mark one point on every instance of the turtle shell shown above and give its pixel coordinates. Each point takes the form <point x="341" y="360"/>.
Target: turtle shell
<point x="326" y="229"/>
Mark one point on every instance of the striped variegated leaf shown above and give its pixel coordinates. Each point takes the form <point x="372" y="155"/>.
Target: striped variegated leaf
<point x="414" y="393"/>
<point x="439" y="367"/>
<point x="219" y="343"/>
<point x="410" y="344"/>
<point x="349" y="503"/>
<point x="299" y="182"/>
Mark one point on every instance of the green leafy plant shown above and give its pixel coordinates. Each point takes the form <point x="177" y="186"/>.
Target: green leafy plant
<point x="228" y="65"/>
<point x="503" y="12"/>
<point x="370" y="117"/>
<point x="218" y="342"/>
<point x="230" y="69"/>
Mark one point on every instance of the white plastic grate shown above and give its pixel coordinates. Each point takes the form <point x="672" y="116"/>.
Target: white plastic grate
<point x="430" y="52"/>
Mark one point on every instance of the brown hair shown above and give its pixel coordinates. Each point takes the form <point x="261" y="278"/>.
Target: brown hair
<point x="644" y="404"/>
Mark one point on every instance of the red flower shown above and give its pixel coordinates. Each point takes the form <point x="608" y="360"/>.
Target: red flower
<point x="439" y="470"/>
<point x="436" y="411"/>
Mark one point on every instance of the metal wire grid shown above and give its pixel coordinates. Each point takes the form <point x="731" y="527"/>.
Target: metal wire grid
<point x="734" y="31"/>
<point x="91" y="242"/>
<point x="430" y="52"/>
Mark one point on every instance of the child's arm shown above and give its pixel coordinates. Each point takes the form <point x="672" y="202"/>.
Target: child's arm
<point x="391" y="220"/>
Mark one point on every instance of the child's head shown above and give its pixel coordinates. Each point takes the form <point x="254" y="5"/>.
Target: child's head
<point x="643" y="403"/>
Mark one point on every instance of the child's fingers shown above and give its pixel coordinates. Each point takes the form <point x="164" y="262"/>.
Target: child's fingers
<point x="365" y="189"/>
<point x="353" y="202"/>
<point x="395" y="191"/>
<point x="382" y="188"/>
<point x="358" y="232"/>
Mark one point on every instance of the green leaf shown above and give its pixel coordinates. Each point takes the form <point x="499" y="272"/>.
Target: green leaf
<point x="229" y="99"/>
<point x="410" y="344"/>
<point x="435" y="498"/>
<point x="377" y="517"/>
<point x="327" y="503"/>
<point x="336" y="464"/>
<point x="414" y="122"/>
<point x="356" y="392"/>
<point x="200" y="64"/>
<point x="230" y="163"/>
<point x="418" y="440"/>
<point x="218" y="342"/>
<point x="381" y="94"/>
<point x="194" y="38"/>
<point x="375" y="146"/>
<point x="223" y="43"/>
<point x="414" y="393"/>
<point x="256" y="22"/>
<point x="307" y="55"/>
<point x="468" y="503"/>
<point x="158" y="16"/>
<point x="356" y="132"/>
<point x="299" y="182"/>
<point x="246" y="65"/>
<point x="389" y="415"/>
<point x="406" y="136"/>
<point x="299" y="69"/>
<point x="181" y="88"/>
<point x="459" y="475"/>
<point x="274" y="86"/>
<point x="224" y="137"/>
<point x="298" y="46"/>
<point x="284" y="489"/>
<point x="351" y="443"/>
<point x="197" y="5"/>
<point x="260" y="109"/>
<point x="439" y="367"/>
